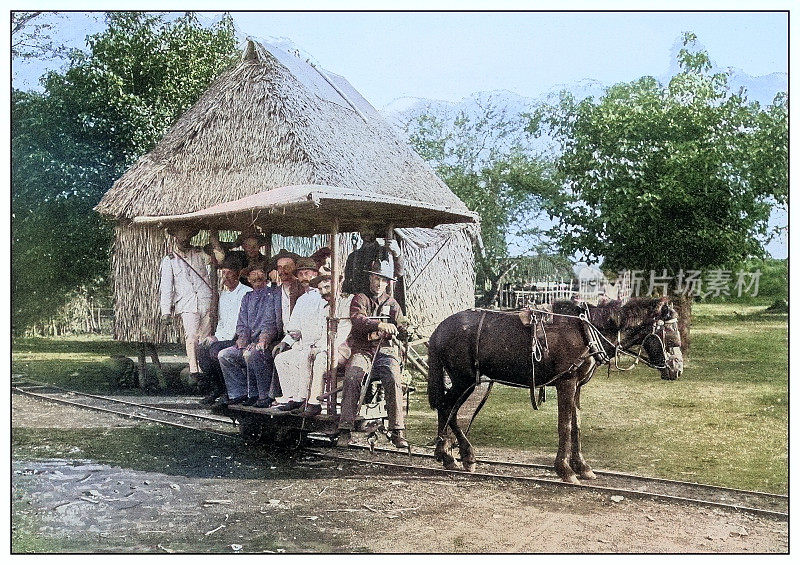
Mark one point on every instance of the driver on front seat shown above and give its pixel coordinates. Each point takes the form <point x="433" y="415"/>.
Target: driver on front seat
<point x="375" y="318"/>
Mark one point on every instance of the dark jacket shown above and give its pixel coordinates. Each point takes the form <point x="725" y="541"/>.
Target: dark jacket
<point x="260" y="318"/>
<point x="355" y="278"/>
<point x="364" y="310"/>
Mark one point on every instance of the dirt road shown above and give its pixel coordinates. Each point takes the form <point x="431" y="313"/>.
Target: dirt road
<point x="251" y="501"/>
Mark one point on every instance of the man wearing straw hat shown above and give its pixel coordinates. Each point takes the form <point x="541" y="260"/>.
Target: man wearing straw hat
<point x="185" y="289"/>
<point x="319" y="349"/>
<point x="292" y="355"/>
<point x="230" y="300"/>
<point x="375" y="317"/>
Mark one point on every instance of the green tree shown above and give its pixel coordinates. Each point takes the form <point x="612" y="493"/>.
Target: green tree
<point x="483" y="159"/>
<point x="681" y="176"/>
<point x="91" y="123"/>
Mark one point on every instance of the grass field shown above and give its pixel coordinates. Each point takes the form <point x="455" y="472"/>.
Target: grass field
<point x="725" y="422"/>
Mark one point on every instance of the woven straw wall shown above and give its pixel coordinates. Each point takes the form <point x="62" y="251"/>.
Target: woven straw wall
<point x="437" y="284"/>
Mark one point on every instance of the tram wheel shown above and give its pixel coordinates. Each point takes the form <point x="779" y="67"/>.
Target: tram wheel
<point x="254" y="432"/>
<point x="290" y="439"/>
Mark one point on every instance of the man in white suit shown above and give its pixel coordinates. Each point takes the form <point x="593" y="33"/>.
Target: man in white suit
<point x="185" y="289"/>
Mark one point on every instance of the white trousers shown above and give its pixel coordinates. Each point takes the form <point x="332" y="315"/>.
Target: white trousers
<point x="301" y="371"/>
<point x="196" y="326"/>
<point x="294" y="372"/>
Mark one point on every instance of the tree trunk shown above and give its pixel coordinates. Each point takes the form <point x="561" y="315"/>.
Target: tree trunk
<point x="683" y="305"/>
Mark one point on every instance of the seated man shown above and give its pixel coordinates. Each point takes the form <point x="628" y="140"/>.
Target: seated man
<point x="230" y="299"/>
<point x="301" y="368"/>
<point x="375" y="318"/>
<point x="319" y="351"/>
<point x="246" y="366"/>
<point x="300" y="332"/>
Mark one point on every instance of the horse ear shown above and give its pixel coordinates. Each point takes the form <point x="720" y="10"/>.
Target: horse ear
<point x="526" y="317"/>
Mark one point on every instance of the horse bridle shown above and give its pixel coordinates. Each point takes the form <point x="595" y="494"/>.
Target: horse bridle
<point x="658" y="331"/>
<point x="597" y="350"/>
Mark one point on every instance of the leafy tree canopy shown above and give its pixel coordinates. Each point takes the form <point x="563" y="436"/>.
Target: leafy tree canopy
<point x="71" y="142"/>
<point x="673" y="176"/>
<point x="483" y="158"/>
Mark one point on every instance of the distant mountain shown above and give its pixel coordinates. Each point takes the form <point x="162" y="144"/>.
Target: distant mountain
<point x="761" y="89"/>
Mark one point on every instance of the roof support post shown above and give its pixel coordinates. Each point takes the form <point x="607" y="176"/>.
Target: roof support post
<point x="333" y="322"/>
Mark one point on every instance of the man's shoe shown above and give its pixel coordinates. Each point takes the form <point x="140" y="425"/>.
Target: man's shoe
<point x="210" y="398"/>
<point x="250" y="401"/>
<point x="344" y="438"/>
<point x="287" y="407"/>
<point x="291" y="405"/>
<point x="220" y="404"/>
<point x="276" y="410"/>
<point x="399" y="440"/>
<point x="310" y="411"/>
<point x="263" y="403"/>
<point x="237" y="400"/>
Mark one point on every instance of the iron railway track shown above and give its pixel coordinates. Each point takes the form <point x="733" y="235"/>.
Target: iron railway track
<point x="421" y="460"/>
<point x="214" y="425"/>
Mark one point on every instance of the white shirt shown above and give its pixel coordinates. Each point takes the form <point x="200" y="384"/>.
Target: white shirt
<point x="286" y="307"/>
<point x="312" y="321"/>
<point x="304" y="319"/>
<point x="229" y="303"/>
<point x="188" y="289"/>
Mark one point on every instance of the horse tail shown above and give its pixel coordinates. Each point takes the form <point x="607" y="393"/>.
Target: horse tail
<point x="435" y="373"/>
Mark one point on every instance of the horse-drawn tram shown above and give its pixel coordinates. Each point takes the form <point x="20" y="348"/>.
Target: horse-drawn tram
<point x="328" y="211"/>
<point x="276" y="121"/>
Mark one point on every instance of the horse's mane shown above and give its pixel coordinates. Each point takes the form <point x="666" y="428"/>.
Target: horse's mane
<point x="614" y="315"/>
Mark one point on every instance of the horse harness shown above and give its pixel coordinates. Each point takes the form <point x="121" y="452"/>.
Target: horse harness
<point x="595" y="349"/>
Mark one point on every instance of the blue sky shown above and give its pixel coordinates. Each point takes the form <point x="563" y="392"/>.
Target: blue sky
<point x="450" y="55"/>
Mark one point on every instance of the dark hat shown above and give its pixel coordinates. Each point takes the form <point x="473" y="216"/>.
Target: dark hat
<point x="255" y="266"/>
<point x="320" y="255"/>
<point x="318" y="279"/>
<point x="306" y="263"/>
<point x="284" y="254"/>
<point x="192" y="230"/>
<point x="382" y="269"/>
<point x="234" y="260"/>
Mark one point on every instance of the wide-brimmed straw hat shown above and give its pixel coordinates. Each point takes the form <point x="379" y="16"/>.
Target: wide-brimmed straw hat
<point x="382" y="269"/>
<point x="318" y="279"/>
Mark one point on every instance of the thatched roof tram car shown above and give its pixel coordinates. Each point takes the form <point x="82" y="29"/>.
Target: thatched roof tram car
<point x="307" y="210"/>
<point x="278" y="144"/>
<point x="275" y="121"/>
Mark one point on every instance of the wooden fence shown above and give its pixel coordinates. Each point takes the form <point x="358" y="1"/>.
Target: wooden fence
<point x="549" y="290"/>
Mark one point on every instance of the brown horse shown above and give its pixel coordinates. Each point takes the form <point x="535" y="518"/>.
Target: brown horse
<point x="562" y="348"/>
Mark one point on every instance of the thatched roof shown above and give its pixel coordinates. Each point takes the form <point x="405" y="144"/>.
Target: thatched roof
<point x="264" y="132"/>
<point x="305" y="210"/>
<point x="273" y="121"/>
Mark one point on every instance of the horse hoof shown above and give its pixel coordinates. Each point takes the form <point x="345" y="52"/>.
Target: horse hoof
<point x="588" y="475"/>
<point x="451" y="466"/>
<point x="571" y="479"/>
<point x="469" y="467"/>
